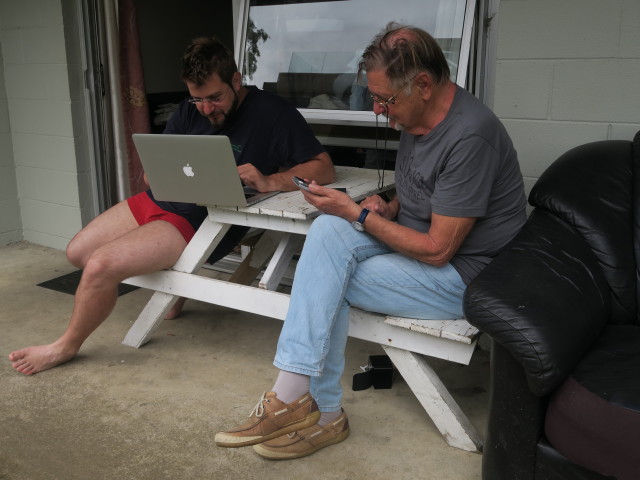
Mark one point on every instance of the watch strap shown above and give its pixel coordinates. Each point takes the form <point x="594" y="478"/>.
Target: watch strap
<point x="363" y="215"/>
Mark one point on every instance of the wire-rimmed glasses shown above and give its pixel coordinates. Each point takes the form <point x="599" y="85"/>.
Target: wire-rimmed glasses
<point x="384" y="103"/>
<point x="215" y="100"/>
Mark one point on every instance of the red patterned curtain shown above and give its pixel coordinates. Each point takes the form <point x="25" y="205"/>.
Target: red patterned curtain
<point x="135" y="111"/>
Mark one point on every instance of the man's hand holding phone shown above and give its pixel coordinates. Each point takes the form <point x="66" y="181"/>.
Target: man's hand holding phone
<point x="328" y="200"/>
<point x="305" y="186"/>
<point x="301" y="183"/>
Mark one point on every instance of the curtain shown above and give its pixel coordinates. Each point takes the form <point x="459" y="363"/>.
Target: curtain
<point x="135" y="111"/>
<point x="129" y="111"/>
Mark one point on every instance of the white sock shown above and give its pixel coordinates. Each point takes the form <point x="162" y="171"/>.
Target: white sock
<point x="290" y="386"/>
<point x="328" y="417"/>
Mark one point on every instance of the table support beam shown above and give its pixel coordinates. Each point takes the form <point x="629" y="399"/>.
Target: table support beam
<point x="435" y="399"/>
<point x="289" y="244"/>
<point x="193" y="257"/>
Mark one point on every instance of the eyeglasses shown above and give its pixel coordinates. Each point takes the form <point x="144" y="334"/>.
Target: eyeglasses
<point x="384" y="103"/>
<point x="392" y="99"/>
<point x="212" y="99"/>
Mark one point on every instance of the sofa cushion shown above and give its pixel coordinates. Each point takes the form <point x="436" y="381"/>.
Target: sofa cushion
<point x="591" y="188"/>
<point x="594" y="417"/>
<point x="552" y="465"/>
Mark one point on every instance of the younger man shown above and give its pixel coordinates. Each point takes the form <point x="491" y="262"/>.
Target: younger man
<point x="271" y="141"/>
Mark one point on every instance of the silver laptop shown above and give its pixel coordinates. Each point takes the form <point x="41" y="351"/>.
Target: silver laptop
<point x="194" y="169"/>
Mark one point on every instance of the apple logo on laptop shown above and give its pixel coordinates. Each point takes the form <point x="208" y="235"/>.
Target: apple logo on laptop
<point x="188" y="170"/>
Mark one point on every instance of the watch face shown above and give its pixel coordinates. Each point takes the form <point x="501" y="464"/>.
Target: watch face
<point x="358" y="226"/>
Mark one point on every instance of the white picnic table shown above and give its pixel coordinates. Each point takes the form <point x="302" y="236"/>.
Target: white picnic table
<point x="286" y="219"/>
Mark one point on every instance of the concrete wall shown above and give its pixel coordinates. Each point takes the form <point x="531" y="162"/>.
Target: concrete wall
<point x="10" y="224"/>
<point x="568" y="72"/>
<point x="37" y="78"/>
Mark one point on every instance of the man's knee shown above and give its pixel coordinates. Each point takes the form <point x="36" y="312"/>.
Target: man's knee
<point x="101" y="266"/>
<point x="76" y="253"/>
<point x="328" y="225"/>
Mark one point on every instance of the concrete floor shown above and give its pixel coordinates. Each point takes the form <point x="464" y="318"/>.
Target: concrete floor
<point x="121" y="413"/>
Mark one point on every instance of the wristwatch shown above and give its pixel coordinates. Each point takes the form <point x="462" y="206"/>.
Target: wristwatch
<point x="359" y="223"/>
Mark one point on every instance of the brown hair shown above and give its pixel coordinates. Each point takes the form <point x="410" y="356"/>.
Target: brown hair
<point x="206" y="56"/>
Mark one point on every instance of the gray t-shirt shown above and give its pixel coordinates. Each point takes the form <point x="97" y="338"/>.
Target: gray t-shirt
<point x="465" y="167"/>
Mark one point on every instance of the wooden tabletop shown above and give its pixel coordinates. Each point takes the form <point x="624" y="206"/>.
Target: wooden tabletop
<point x="359" y="182"/>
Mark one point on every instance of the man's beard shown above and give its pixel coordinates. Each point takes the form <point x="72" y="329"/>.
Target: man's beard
<point x="396" y="126"/>
<point x="219" y="118"/>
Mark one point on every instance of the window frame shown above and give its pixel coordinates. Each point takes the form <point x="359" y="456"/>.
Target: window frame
<point x="362" y="118"/>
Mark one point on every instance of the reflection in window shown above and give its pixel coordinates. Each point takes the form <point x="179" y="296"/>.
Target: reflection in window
<point x="308" y="52"/>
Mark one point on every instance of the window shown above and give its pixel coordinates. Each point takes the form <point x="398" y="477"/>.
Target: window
<point x="308" y="51"/>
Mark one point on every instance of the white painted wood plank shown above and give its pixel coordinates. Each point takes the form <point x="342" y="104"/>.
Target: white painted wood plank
<point x="201" y="245"/>
<point x="461" y="330"/>
<point x="219" y="292"/>
<point x="458" y="330"/>
<point x="289" y="245"/>
<point x="441" y="407"/>
<point x="357" y="181"/>
<point x="266" y="222"/>
<point x="149" y="319"/>
<point x="372" y="327"/>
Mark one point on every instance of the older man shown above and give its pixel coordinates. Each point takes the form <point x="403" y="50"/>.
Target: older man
<point x="460" y="199"/>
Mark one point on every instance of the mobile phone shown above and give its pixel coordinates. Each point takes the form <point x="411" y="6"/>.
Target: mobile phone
<point x="305" y="186"/>
<point x="301" y="183"/>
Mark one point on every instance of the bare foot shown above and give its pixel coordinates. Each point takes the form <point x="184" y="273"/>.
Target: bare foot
<point x="176" y="310"/>
<point x="36" y="359"/>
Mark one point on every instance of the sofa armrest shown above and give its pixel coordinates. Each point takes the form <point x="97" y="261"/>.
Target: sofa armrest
<point x="544" y="298"/>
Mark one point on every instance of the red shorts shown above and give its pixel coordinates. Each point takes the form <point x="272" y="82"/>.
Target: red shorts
<point x="145" y="211"/>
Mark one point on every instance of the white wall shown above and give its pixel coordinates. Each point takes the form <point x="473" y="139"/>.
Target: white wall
<point x="10" y="225"/>
<point x="568" y="73"/>
<point x="38" y="90"/>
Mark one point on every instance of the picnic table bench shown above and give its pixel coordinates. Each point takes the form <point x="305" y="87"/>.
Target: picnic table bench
<point x="286" y="219"/>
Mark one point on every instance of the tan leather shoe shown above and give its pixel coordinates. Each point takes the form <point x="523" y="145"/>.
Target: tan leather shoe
<point x="270" y="419"/>
<point x="306" y="441"/>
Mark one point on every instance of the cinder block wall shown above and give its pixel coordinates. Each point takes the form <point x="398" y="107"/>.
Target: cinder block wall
<point x="10" y="225"/>
<point x="568" y="72"/>
<point x="39" y="103"/>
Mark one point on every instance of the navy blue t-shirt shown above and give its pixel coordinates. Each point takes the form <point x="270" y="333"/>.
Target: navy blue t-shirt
<point x="265" y="131"/>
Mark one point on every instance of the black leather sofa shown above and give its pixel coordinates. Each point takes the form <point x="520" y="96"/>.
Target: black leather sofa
<point x="561" y="305"/>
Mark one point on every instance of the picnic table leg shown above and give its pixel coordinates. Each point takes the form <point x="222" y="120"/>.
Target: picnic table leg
<point x="260" y="254"/>
<point x="436" y="399"/>
<point x="289" y="244"/>
<point x="195" y="254"/>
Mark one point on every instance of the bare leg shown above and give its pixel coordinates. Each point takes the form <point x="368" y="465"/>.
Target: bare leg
<point x="141" y="249"/>
<point x="107" y="227"/>
<point x="176" y="310"/>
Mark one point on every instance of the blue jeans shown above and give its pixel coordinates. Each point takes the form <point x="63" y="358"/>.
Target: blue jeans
<point x="340" y="267"/>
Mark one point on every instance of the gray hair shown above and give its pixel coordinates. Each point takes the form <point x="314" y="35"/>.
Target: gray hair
<point x="402" y="52"/>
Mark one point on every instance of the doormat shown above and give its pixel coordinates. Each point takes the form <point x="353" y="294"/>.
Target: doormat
<point x="69" y="283"/>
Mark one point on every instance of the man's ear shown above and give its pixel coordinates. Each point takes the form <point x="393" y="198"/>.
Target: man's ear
<point x="236" y="81"/>
<point x="424" y="84"/>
